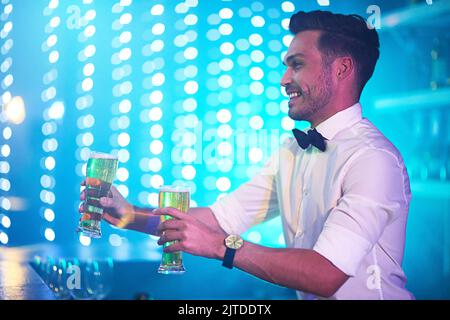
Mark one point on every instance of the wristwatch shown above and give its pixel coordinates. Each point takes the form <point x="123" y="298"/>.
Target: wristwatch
<point x="232" y="243"/>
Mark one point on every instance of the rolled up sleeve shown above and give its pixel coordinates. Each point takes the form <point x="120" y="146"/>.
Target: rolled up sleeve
<point x="373" y="195"/>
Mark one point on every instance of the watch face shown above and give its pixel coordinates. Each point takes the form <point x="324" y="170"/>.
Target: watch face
<point x="234" y="241"/>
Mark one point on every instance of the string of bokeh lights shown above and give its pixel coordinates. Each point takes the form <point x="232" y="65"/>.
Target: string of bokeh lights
<point x="219" y="84"/>
<point x="122" y="92"/>
<point x="7" y="132"/>
<point x="84" y="88"/>
<point x="152" y="114"/>
<point x="186" y="57"/>
<point x="52" y="114"/>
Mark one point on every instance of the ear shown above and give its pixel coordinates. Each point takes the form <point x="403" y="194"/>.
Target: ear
<point x="344" y="67"/>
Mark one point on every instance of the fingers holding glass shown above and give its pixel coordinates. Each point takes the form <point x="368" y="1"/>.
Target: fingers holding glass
<point x="175" y="197"/>
<point x="100" y="173"/>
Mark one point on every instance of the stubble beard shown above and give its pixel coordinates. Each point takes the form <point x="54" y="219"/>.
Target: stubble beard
<point x="315" y="100"/>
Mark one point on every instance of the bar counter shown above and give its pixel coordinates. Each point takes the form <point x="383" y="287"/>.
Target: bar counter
<point x="39" y="272"/>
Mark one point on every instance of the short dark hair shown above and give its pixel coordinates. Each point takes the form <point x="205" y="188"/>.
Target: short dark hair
<point x="342" y="35"/>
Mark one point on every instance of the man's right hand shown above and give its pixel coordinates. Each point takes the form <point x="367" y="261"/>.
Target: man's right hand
<point x="116" y="210"/>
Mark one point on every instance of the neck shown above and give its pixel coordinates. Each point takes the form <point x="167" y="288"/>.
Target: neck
<point x="336" y="104"/>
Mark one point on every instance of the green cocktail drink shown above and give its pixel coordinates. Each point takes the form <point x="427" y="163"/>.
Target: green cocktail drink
<point x="176" y="197"/>
<point x="100" y="173"/>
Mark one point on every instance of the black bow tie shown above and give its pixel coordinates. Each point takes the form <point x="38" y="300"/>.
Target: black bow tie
<point x="313" y="137"/>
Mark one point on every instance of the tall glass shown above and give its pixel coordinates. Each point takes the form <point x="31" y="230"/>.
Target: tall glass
<point x="176" y="197"/>
<point x="100" y="173"/>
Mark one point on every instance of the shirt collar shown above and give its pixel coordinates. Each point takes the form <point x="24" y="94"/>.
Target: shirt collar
<point x="340" y="121"/>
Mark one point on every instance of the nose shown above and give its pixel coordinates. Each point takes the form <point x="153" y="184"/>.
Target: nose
<point x="287" y="77"/>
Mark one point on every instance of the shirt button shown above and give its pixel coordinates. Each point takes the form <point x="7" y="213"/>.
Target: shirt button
<point x="305" y="192"/>
<point x="299" y="233"/>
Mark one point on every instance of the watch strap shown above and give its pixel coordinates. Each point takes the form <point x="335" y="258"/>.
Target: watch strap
<point x="228" y="258"/>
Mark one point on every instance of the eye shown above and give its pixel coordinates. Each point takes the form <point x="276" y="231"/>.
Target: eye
<point x="296" y="65"/>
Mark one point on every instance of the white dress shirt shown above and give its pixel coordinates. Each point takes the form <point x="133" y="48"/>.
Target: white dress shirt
<point x="350" y="204"/>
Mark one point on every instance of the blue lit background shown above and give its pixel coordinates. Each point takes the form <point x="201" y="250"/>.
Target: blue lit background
<point x="169" y="85"/>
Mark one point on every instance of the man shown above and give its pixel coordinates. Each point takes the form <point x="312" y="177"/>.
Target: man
<point x="341" y="189"/>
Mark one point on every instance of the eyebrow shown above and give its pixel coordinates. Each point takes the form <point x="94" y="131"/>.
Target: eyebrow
<point x="292" y="57"/>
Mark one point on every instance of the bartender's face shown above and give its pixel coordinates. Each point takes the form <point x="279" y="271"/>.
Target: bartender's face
<point x="306" y="80"/>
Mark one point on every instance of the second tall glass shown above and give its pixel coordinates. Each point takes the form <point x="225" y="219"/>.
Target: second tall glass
<point x="176" y="197"/>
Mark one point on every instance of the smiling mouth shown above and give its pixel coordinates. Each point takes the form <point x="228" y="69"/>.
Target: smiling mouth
<point x="294" y="95"/>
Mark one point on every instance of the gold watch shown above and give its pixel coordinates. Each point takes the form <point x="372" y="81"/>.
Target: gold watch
<point x="232" y="243"/>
